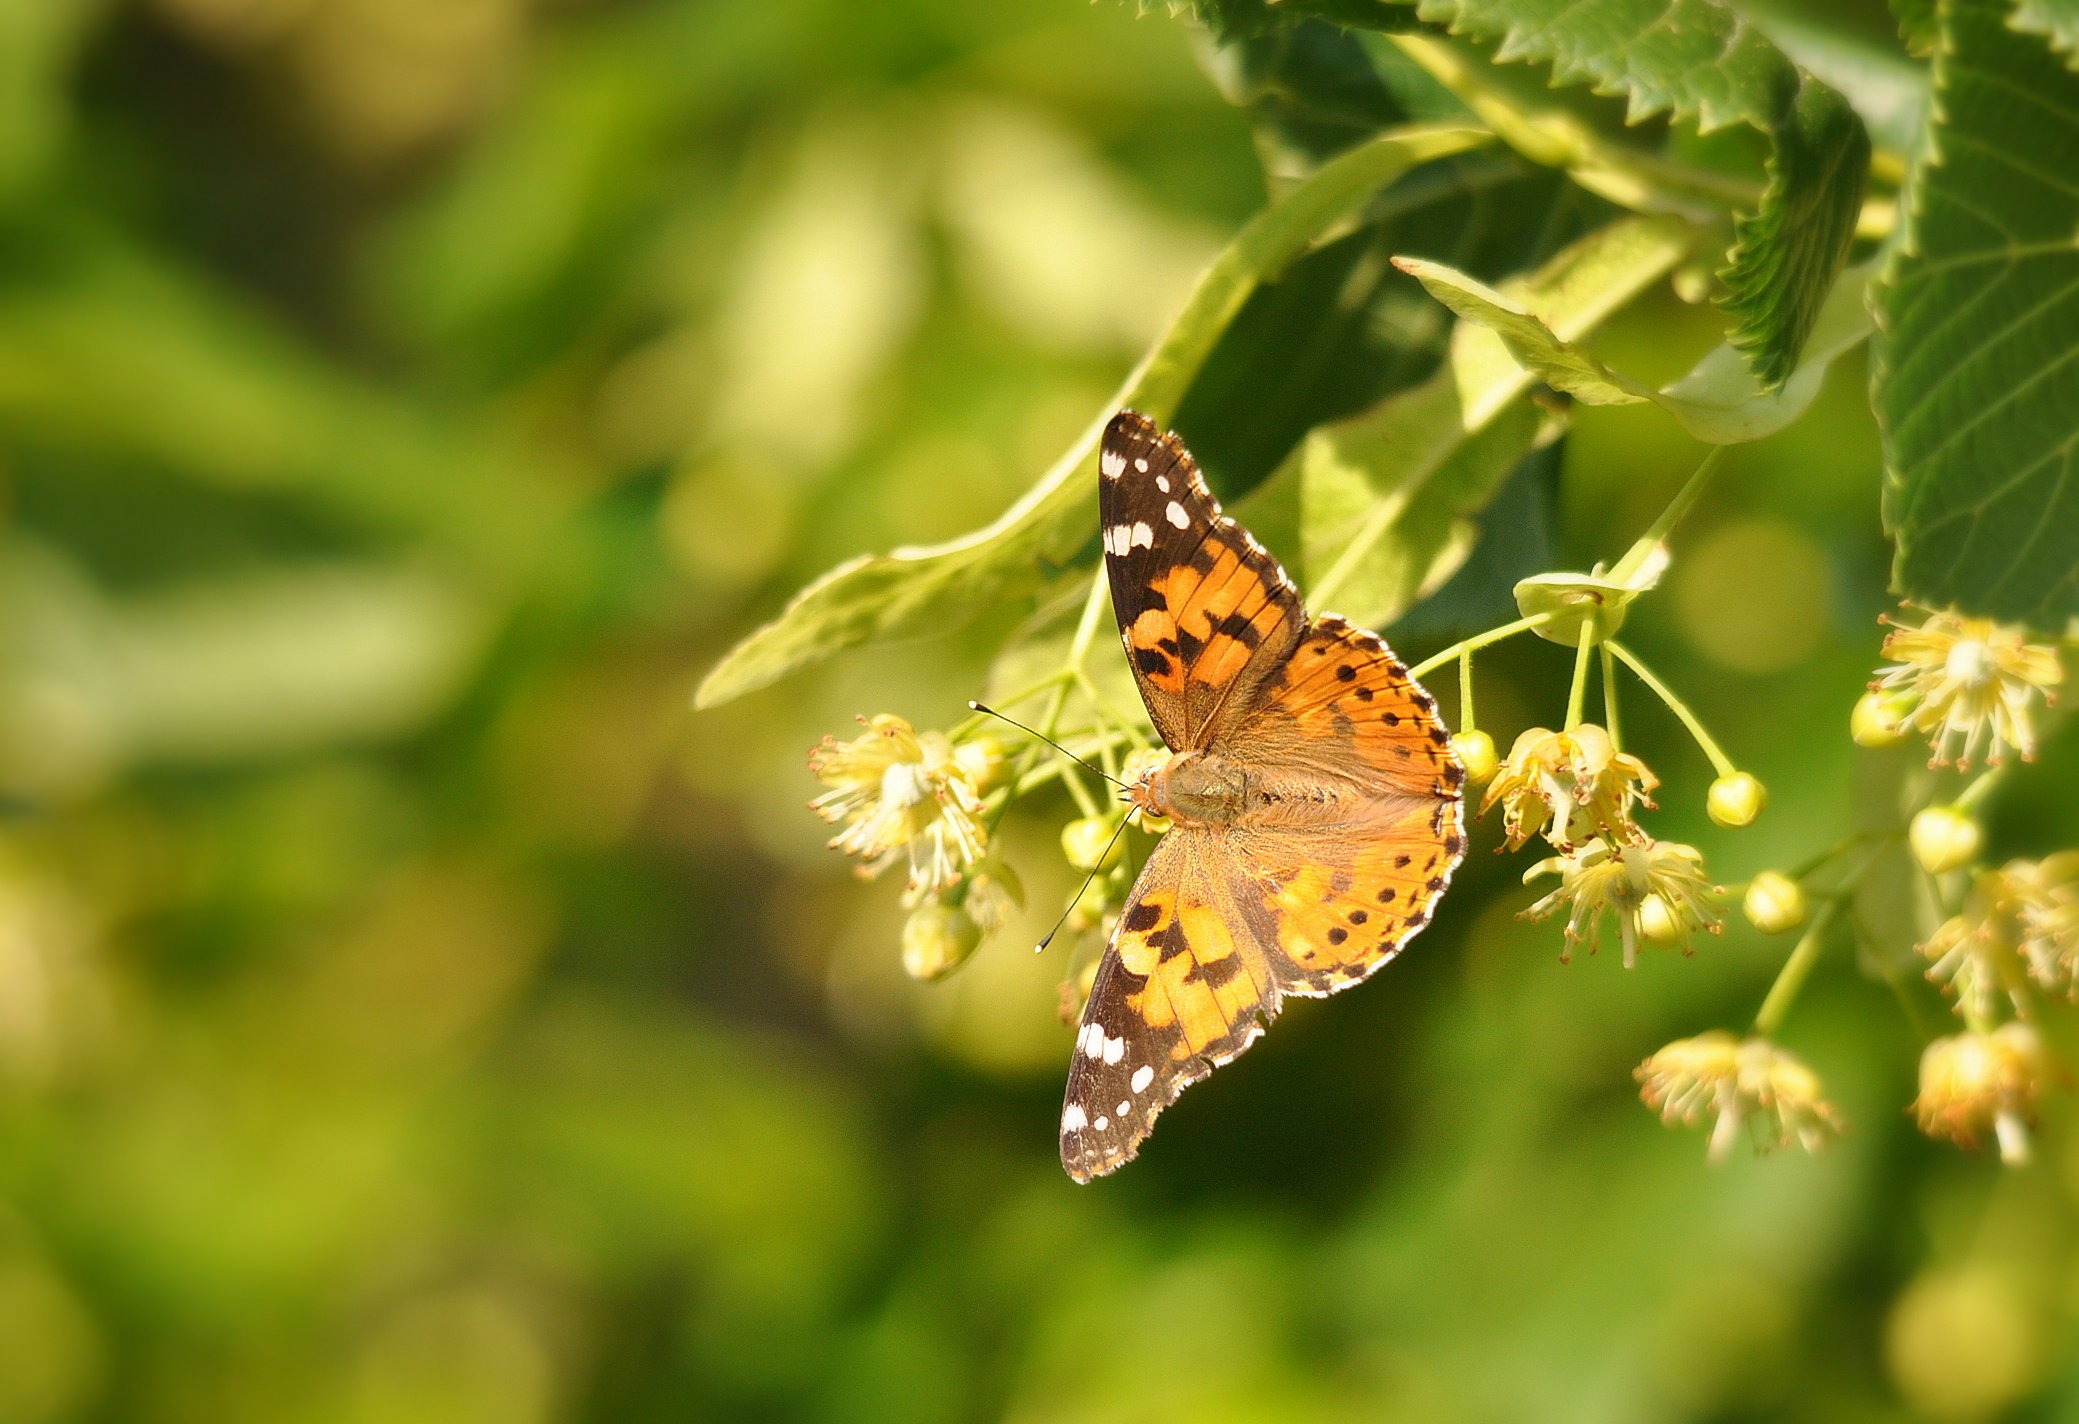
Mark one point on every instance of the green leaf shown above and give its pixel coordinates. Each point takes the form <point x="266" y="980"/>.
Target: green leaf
<point x="1311" y="90"/>
<point x="2055" y="20"/>
<point x="916" y="589"/>
<point x="1342" y="329"/>
<point x="1916" y="19"/>
<point x="1977" y="380"/>
<point x="1718" y="402"/>
<point x="1384" y="500"/>
<point x="1867" y="66"/>
<point x="1699" y="62"/>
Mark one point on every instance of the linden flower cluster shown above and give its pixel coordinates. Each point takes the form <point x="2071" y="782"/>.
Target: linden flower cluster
<point x="1964" y="683"/>
<point x="1577" y="790"/>
<point x="1569" y="787"/>
<point x="905" y="795"/>
<point x="2019" y="928"/>
<point x="1743" y="1086"/>
<point x="1972" y="1083"/>
<point x="2018" y="934"/>
<point x="901" y="792"/>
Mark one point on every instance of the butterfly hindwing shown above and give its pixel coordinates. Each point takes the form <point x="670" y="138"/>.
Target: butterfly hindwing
<point x="1183" y="987"/>
<point x="1337" y="902"/>
<point x="1204" y="611"/>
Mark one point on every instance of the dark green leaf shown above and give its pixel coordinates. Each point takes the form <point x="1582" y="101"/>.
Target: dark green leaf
<point x="1697" y="60"/>
<point x="1977" y="384"/>
<point x="2055" y="20"/>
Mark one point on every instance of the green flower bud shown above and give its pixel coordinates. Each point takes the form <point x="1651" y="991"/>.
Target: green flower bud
<point x="1736" y="799"/>
<point x="1943" y="838"/>
<point x="1774" y="902"/>
<point x="937" y="939"/>
<point x="1657" y="922"/>
<point x="1875" y="721"/>
<point x="1089" y="843"/>
<point x="1476" y="750"/>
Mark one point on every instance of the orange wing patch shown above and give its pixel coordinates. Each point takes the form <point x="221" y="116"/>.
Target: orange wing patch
<point x="1344" y="694"/>
<point x="1341" y="901"/>
<point x="1223" y="613"/>
<point x="1197" y="977"/>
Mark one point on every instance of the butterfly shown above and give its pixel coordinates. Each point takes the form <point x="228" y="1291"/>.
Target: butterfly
<point x="1317" y="808"/>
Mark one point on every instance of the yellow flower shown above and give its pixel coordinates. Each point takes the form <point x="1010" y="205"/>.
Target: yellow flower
<point x="901" y="792"/>
<point x="1569" y="787"/>
<point x="1967" y="682"/>
<point x="1738" y="1083"/>
<point x="1600" y="879"/>
<point x="2046" y="911"/>
<point x="1973" y="954"/>
<point x="1974" y="1081"/>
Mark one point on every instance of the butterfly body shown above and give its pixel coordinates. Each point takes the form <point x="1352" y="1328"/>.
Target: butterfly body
<point x="1315" y="801"/>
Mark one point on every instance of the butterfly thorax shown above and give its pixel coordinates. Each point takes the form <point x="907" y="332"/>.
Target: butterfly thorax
<point x="1194" y="789"/>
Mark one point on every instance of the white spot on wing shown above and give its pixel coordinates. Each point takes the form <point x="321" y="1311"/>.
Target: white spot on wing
<point x="1143" y="537"/>
<point x="1073" y="1118"/>
<point x="1177" y="516"/>
<point x="1103" y="1123"/>
<point x="1112" y="463"/>
<point x="1114" y="1049"/>
<point x="1162" y="483"/>
<point x="1142" y="1076"/>
<point x="1140" y="462"/>
<point x="1093" y="1041"/>
<point x="1123" y="1108"/>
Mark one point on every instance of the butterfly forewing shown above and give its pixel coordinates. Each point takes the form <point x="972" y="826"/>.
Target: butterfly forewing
<point x="1204" y="611"/>
<point x="1342" y="708"/>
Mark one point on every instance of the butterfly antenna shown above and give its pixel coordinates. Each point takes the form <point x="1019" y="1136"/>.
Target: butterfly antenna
<point x="1081" y="890"/>
<point x="1042" y="736"/>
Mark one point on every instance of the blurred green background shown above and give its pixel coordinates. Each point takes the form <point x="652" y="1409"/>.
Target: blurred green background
<point x="411" y="1011"/>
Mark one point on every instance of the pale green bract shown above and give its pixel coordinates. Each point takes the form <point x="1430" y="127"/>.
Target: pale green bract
<point x="1719" y="401"/>
<point x="1385" y="497"/>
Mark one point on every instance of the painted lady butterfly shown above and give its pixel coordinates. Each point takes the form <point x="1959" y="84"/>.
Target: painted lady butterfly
<point x="1317" y="805"/>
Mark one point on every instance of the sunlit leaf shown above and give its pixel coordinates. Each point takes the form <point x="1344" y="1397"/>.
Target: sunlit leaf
<point x="911" y="590"/>
<point x="1384" y="498"/>
<point x="2055" y="20"/>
